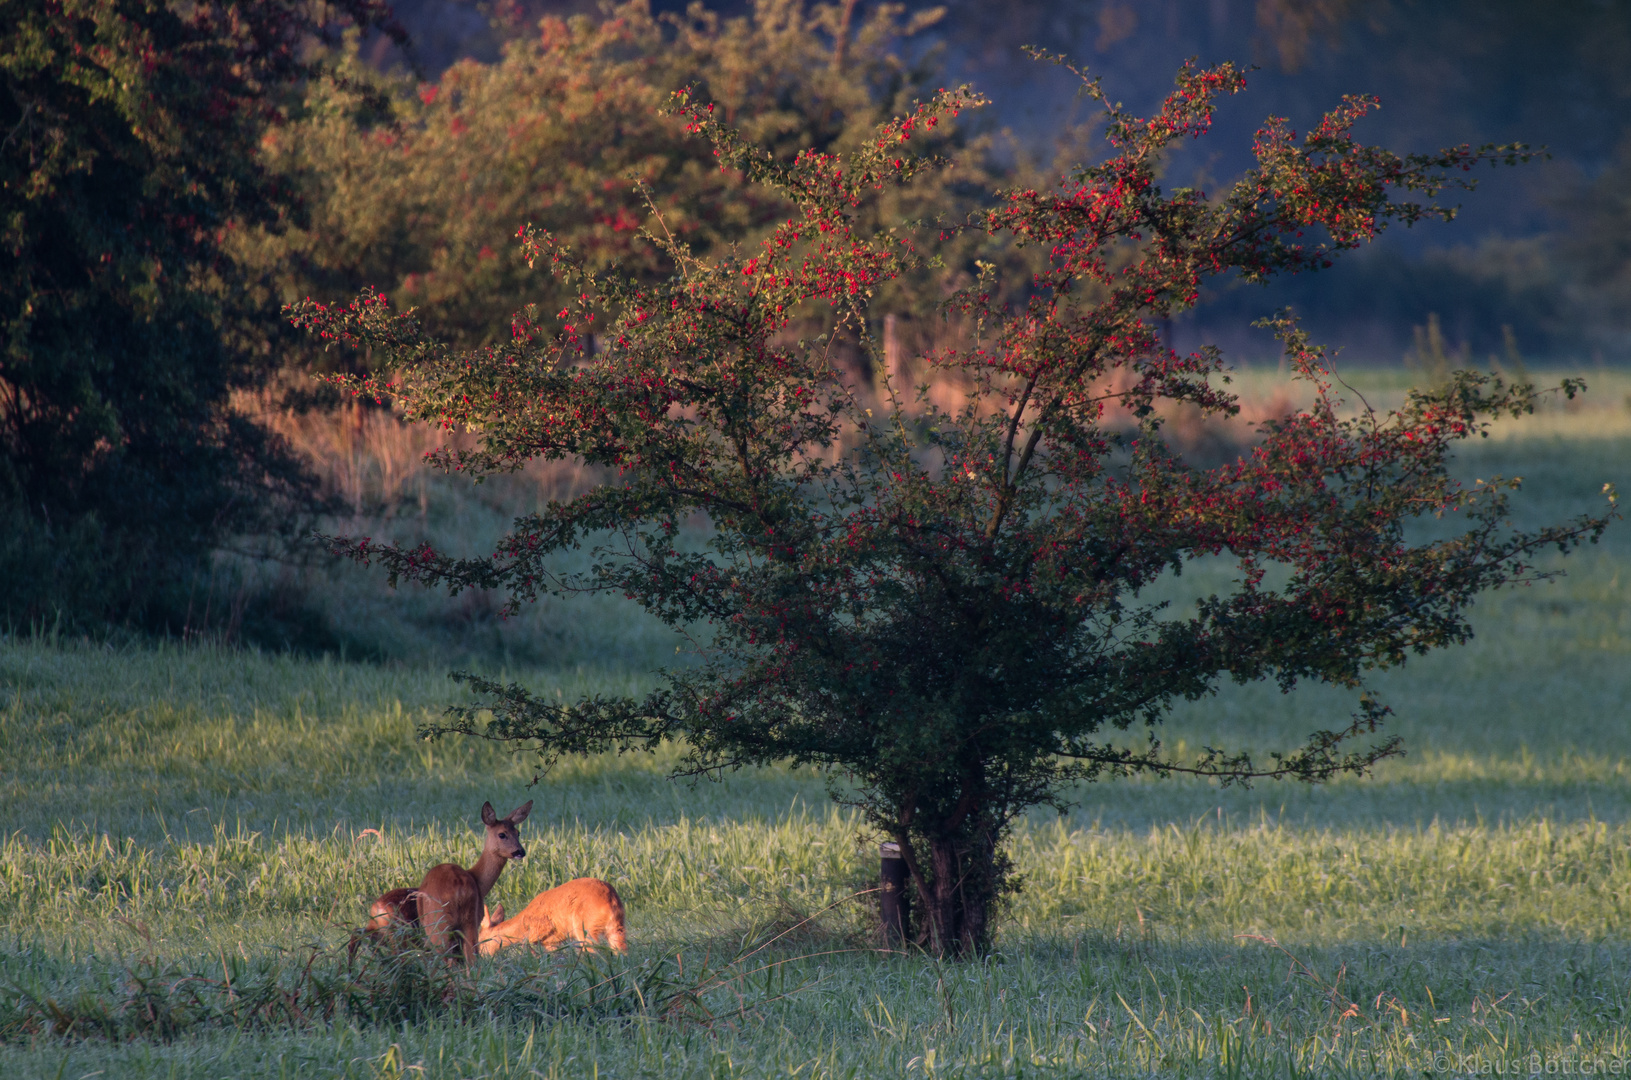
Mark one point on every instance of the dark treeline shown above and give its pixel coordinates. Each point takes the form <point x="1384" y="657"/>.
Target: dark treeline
<point x="129" y="156"/>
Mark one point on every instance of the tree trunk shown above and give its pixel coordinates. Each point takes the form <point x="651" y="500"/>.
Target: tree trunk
<point x="841" y="46"/>
<point x="957" y="894"/>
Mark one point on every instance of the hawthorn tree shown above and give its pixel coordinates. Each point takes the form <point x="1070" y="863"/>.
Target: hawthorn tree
<point x="939" y="606"/>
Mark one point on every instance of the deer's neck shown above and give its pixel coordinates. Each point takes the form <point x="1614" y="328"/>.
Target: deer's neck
<point x="486" y="871"/>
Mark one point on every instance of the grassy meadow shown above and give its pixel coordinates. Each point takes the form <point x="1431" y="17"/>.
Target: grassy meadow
<point x="188" y="832"/>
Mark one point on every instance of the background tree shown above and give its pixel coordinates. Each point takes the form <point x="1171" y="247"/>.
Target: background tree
<point x="943" y="608"/>
<point x="130" y="130"/>
<point x="1599" y="244"/>
<point x="422" y="199"/>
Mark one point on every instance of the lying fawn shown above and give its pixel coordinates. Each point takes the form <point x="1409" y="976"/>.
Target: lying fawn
<point x="582" y="910"/>
<point x="449" y="901"/>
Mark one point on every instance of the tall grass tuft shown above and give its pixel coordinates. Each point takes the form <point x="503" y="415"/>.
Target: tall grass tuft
<point x="397" y="980"/>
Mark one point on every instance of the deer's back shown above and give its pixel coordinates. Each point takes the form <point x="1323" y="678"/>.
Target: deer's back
<point x="453" y="889"/>
<point x="584" y="909"/>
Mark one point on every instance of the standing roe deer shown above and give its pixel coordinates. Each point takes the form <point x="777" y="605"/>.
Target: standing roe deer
<point x="584" y="909"/>
<point x="400" y="908"/>
<point x="450" y="898"/>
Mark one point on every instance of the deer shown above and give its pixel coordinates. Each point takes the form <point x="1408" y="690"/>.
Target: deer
<point x="449" y="902"/>
<point x="396" y="908"/>
<point x="397" y="911"/>
<point x="399" y="908"/>
<point x="582" y="910"/>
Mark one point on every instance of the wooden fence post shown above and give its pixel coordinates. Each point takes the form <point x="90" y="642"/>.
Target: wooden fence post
<point x="893" y="903"/>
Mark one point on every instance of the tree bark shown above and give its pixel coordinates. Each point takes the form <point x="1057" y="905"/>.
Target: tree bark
<point x="840" y="50"/>
<point x="961" y="888"/>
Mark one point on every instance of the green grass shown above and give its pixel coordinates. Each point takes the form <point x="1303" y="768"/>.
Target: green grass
<point x="194" y="814"/>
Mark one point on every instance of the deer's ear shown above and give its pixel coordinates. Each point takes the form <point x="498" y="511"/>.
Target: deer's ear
<point x="488" y="818"/>
<point x="519" y="814"/>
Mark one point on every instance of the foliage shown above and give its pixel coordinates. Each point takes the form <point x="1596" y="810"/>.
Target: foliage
<point x="422" y="198"/>
<point x="130" y="129"/>
<point x="940" y="608"/>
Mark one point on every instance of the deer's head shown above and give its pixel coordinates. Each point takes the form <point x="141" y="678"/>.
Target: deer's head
<point x="504" y="834"/>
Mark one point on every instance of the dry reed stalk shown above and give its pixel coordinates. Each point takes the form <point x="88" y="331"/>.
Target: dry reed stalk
<point x="373" y="461"/>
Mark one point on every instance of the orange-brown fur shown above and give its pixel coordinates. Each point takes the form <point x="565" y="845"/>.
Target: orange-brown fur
<point x="401" y="907"/>
<point x="397" y="906"/>
<point x="450" y="897"/>
<point x="450" y="904"/>
<point x="582" y="910"/>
